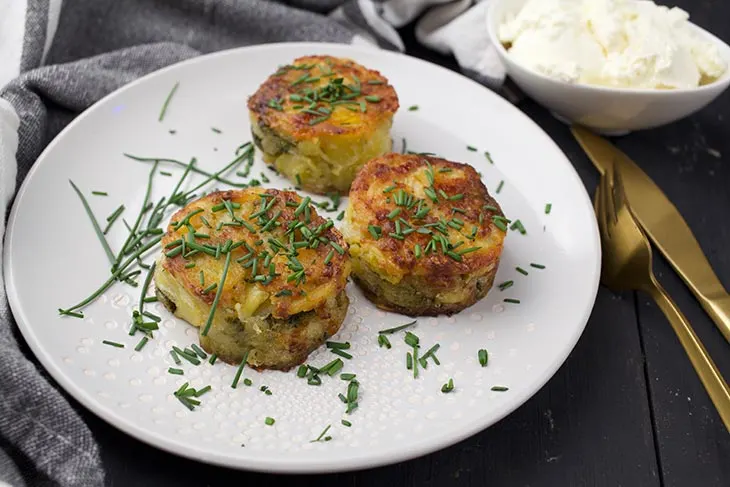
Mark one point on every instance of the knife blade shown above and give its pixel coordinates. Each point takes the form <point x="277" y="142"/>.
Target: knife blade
<point x="664" y="225"/>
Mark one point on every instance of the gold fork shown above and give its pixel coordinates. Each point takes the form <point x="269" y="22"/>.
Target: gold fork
<point x="627" y="265"/>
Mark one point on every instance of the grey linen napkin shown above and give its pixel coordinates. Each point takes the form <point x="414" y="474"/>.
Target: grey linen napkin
<point x="61" y="57"/>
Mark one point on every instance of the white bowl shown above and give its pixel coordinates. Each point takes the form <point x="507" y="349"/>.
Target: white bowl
<point x="605" y="109"/>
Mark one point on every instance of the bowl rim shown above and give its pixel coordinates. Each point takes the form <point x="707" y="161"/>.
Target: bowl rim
<point x="719" y="84"/>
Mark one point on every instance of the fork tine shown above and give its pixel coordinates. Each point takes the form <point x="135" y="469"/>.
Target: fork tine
<point x="609" y="207"/>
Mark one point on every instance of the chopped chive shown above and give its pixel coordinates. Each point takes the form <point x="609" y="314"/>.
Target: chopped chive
<point x="431" y="351"/>
<point x="347" y="376"/>
<point x="483" y="357"/>
<point x="165" y="173"/>
<point x="521" y="270"/>
<point x="269" y="421"/>
<point x="199" y="351"/>
<point x="175" y="358"/>
<point x="346" y="423"/>
<point x="505" y="285"/>
<point x="537" y="266"/>
<point x="74" y="314"/>
<point x="152" y="316"/>
<point x="239" y="371"/>
<point x="112" y="218"/>
<point x="453" y="255"/>
<point x="467" y="251"/>
<point x="376" y="82"/>
<point x="212" y="359"/>
<point x="167" y="102"/>
<point x="511" y="300"/>
<point x="373" y="98"/>
<point x="192" y="358"/>
<point x="190" y="265"/>
<point x="500" y="186"/>
<point x="174" y="371"/>
<point x="302" y="371"/>
<point x="339" y="352"/>
<point x="247" y="382"/>
<point x="548" y="207"/>
<point x="340" y="345"/>
<point x="375" y="231"/>
<point x="499" y="224"/>
<point x="417" y="251"/>
<point x="394" y="213"/>
<point x="448" y="387"/>
<point x="517" y="225"/>
<point x="409" y="361"/>
<point x="321" y="435"/>
<point x="100" y="193"/>
<point x="413" y="108"/>
<point x="314" y="380"/>
<point x="113" y="344"/>
<point x="390" y="331"/>
<point x="141" y="344"/>
<point x="471" y="148"/>
<point x="489" y="157"/>
<point x="150" y="299"/>
<point x="499" y="388"/>
<point x="210" y="288"/>
<point x="202" y="391"/>
<point x="336" y="365"/>
<point x="411" y="339"/>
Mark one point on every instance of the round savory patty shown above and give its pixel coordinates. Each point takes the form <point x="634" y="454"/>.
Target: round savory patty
<point x="425" y="235"/>
<point x="273" y="270"/>
<point x="319" y="119"/>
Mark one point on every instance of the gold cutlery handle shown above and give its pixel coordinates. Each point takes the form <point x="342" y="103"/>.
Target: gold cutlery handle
<point x="711" y="378"/>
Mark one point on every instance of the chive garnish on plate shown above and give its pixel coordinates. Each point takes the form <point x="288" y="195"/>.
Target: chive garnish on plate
<point x="113" y="344"/>
<point x="390" y="331"/>
<point x="483" y="357"/>
<point x="163" y="111"/>
<point x="322" y="436"/>
<point x="239" y="371"/>
<point x="94" y="223"/>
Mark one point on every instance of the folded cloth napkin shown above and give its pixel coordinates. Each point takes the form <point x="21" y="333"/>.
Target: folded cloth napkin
<point x="59" y="57"/>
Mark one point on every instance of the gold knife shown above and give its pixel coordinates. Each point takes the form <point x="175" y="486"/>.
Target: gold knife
<point x="665" y="226"/>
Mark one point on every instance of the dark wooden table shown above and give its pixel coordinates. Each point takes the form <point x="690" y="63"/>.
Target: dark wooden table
<point x="625" y="409"/>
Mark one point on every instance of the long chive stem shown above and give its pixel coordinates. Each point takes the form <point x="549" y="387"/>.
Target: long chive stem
<point x="183" y="164"/>
<point x="94" y="223"/>
<point x="218" y="293"/>
<point x="163" y="111"/>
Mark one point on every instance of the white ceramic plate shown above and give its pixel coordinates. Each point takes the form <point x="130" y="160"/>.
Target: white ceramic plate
<point x="54" y="259"/>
